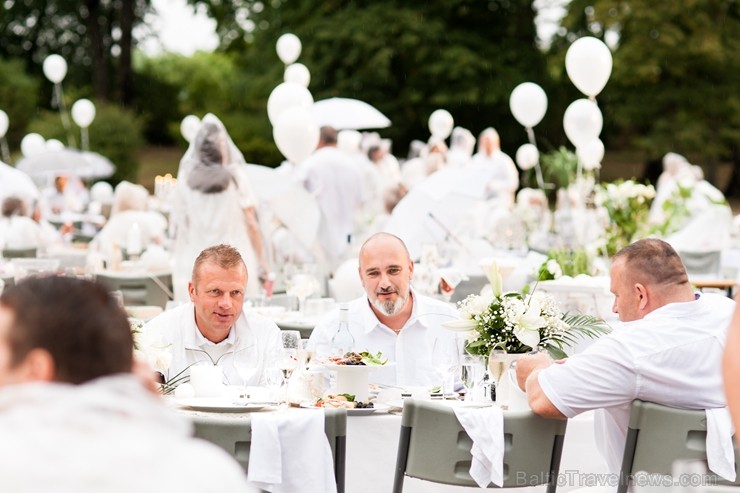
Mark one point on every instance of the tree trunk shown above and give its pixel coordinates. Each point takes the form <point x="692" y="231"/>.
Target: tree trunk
<point x="97" y="51"/>
<point x="125" y="72"/>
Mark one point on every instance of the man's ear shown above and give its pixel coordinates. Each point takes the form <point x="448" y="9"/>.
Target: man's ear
<point x="38" y="366"/>
<point x="191" y="290"/>
<point x="642" y="296"/>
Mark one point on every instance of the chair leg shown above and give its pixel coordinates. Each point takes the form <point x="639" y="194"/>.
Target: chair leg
<point x="340" y="462"/>
<point x="402" y="458"/>
<point x="557" y="452"/>
<point x="627" y="460"/>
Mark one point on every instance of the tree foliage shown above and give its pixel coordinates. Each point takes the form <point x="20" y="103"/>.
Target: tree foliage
<point x="674" y="85"/>
<point x="405" y="58"/>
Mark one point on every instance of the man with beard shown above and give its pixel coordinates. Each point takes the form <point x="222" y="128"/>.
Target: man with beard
<point x="391" y="318"/>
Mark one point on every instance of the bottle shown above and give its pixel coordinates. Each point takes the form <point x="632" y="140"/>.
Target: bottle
<point x="342" y="341"/>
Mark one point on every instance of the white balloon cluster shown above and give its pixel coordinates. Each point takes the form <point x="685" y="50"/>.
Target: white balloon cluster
<point x="528" y="104"/>
<point x="588" y="63"/>
<point x="4" y="123"/>
<point x="289" y="105"/>
<point x="32" y="144"/>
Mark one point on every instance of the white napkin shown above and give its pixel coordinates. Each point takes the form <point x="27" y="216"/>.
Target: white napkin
<point x="486" y="427"/>
<point x="720" y="452"/>
<point x="290" y="453"/>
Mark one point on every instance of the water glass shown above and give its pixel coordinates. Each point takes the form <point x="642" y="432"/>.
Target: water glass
<point x="445" y="360"/>
<point x="472" y="371"/>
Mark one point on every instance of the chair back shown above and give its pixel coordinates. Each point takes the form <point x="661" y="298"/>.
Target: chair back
<point x="140" y="291"/>
<point x="702" y="263"/>
<point x="434" y="446"/>
<point x="659" y="435"/>
<point x="19" y="252"/>
<point x="234" y="435"/>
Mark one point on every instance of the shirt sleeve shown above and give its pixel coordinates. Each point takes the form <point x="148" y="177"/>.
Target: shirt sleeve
<point x="602" y="376"/>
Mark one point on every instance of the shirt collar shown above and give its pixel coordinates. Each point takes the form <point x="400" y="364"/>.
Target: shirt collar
<point x="370" y="320"/>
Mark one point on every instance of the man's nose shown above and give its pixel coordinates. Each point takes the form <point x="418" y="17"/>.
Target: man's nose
<point x="225" y="300"/>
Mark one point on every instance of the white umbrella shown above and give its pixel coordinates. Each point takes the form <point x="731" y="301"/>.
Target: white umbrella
<point x="16" y="182"/>
<point x="348" y="114"/>
<point x="289" y="202"/>
<point x="85" y="165"/>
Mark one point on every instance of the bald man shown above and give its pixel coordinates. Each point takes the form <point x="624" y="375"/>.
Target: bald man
<point x="391" y="318"/>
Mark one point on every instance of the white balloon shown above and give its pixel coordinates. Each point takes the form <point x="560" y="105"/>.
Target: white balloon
<point x="4" y="123"/>
<point x="528" y="103"/>
<point x="582" y="122"/>
<point x="287" y="95"/>
<point x="298" y="73"/>
<point x="288" y="48"/>
<point x="102" y="192"/>
<point x="296" y="134"/>
<point x="189" y="127"/>
<point x="591" y="154"/>
<point x="32" y="144"/>
<point x="527" y="156"/>
<point x="55" y="68"/>
<point x="589" y="64"/>
<point x="83" y="112"/>
<point x="54" y="145"/>
<point x="441" y="123"/>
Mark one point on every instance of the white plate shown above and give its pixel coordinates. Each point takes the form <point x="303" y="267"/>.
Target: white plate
<point x="363" y="411"/>
<point x="355" y="368"/>
<point x="219" y="405"/>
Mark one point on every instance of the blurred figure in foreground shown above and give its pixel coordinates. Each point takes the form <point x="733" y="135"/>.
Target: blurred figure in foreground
<point x="69" y="400"/>
<point x="731" y="372"/>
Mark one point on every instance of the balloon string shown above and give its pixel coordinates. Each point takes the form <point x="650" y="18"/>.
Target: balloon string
<point x="63" y="113"/>
<point x="537" y="168"/>
<point x="5" y="150"/>
<point x="84" y="137"/>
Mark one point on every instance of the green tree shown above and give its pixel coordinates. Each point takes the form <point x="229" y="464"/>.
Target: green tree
<point x="405" y="58"/>
<point x="18" y="98"/>
<point x="674" y="85"/>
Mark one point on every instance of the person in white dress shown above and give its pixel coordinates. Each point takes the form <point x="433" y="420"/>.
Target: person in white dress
<point x="493" y="169"/>
<point x="17" y="230"/>
<point x="666" y="351"/>
<point x="214" y="204"/>
<point x="391" y="317"/>
<point x="70" y="401"/>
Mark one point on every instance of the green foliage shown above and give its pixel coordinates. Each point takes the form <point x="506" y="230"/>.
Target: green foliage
<point x="18" y="98"/>
<point x="570" y="262"/>
<point x="675" y="77"/>
<point x="559" y="167"/>
<point x="115" y="133"/>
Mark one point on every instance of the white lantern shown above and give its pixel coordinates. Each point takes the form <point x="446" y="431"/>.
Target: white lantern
<point x="588" y="63"/>
<point x="288" y="48"/>
<point x="287" y="95"/>
<point x="441" y="123"/>
<point x="83" y="112"/>
<point x="4" y="123"/>
<point x="528" y="103"/>
<point x="527" y="156"/>
<point x="296" y="134"/>
<point x="55" y="68"/>
<point x="32" y="144"/>
<point x="189" y="127"/>
<point x="582" y="122"/>
<point x="298" y="73"/>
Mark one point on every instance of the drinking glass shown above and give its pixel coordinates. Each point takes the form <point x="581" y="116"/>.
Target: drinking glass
<point x="472" y="371"/>
<point x="275" y="380"/>
<point x="246" y="368"/>
<point x="302" y="286"/>
<point x="445" y="361"/>
<point x="498" y="363"/>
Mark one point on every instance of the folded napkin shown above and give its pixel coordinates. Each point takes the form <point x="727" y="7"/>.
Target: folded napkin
<point x="290" y="453"/>
<point x="486" y="428"/>
<point x="720" y="452"/>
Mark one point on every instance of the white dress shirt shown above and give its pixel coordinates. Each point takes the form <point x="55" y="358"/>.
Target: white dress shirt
<point x="251" y="337"/>
<point x="672" y="357"/>
<point x="20" y="232"/>
<point x="497" y="173"/>
<point x="410" y="349"/>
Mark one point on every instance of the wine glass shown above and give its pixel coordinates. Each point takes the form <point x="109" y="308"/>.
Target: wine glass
<point x="302" y="286"/>
<point x="246" y="368"/>
<point x="497" y="365"/>
<point x="445" y="360"/>
<point x="473" y="370"/>
<point x="291" y="353"/>
<point x="275" y="380"/>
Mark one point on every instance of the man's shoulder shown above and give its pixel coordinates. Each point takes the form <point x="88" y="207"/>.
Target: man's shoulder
<point x="251" y="320"/>
<point x="431" y="305"/>
<point x="171" y="318"/>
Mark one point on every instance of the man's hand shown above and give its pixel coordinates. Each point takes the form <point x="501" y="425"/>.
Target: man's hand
<point x="529" y="363"/>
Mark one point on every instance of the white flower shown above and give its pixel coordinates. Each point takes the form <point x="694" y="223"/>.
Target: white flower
<point x="494" y="278"/>
<point x="554" y="268"/>
<point x="527" y="325"/>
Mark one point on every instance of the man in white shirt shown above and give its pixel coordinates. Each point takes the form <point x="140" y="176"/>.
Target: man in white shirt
<point x="493" y="170"/>
<point x="668" y="350"/>
<point x="391" y="318"/>
<point x="69" y="401"/>
<point x="339" y="190"/>
<point x="213" y="328"/>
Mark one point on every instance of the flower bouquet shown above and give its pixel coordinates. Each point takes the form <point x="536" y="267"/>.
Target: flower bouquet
<point x="518" y="323"/>
<point x="150" y="348"/>
<point x="628" y="206"/>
